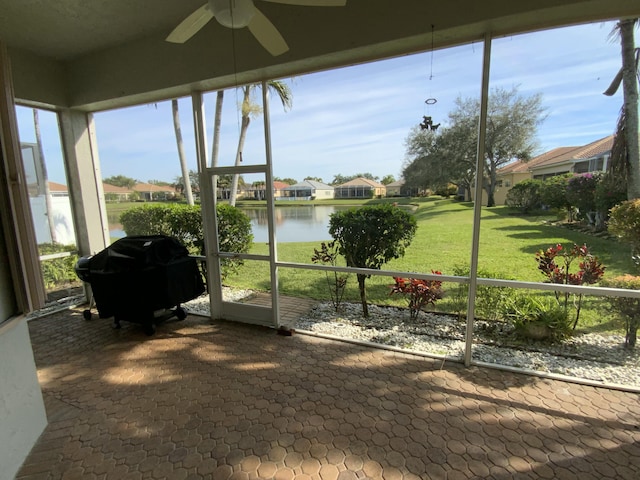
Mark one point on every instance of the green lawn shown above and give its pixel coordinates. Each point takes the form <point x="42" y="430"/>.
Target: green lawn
<point x="508" y="243"/>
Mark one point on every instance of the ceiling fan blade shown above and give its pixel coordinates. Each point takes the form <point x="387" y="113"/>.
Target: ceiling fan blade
<point x="191" y="25"/>
<point x="267" y="34"/>
<point x="312" y="3"/>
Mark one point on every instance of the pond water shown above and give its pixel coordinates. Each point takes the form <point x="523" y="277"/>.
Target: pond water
<point x="299" y="223"/>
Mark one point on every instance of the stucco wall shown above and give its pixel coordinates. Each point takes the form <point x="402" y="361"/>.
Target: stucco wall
<point x="324" y="194"/>
<point x="22" y="414"/>
<point x="62" y="218"/>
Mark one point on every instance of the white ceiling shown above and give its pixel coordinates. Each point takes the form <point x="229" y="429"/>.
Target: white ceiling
<point x="64" y="29"/>
<point x="98" y="54"/>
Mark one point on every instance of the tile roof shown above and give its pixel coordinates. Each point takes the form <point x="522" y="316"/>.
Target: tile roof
<point x="360" y="181"/>
<point x="596" y="148"/>
<point x="553" y="157"/>
<point x="108" y="188"/>
<point x="560" y="155"/>
<point x="57" y="187"/>
<point x="398" y="183"/>
<point x="149" y="187"/>
<point x="312" y="184"/>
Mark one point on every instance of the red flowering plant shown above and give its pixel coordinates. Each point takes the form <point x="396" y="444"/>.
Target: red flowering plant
<point x="590" y="270"/>
<point x="419" y="293"/>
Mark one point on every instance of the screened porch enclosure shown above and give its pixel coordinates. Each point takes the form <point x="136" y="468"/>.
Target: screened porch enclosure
<point x="260" y="168"/>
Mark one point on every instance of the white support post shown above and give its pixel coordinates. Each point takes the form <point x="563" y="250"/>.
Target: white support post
<point x="477" y="205"/>
<point x="80" y="148"/>
<point x="208" y="204"/>
<point x="16" y="220"/>
<point x="271" y="211"/>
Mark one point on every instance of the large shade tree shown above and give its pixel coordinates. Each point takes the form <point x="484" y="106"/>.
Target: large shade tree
<point x="121" y="181"/>
<point x="425" y="165"/>
<point x="449" y="154"/>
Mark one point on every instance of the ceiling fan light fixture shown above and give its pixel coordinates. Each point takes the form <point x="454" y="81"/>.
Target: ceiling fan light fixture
<point x="233" y="13"/>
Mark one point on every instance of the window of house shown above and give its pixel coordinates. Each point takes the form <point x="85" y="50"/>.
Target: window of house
<point x="581" y="167"/>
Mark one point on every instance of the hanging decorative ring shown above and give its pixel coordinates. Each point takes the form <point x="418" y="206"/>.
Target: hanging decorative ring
<point x="431" y="101"/>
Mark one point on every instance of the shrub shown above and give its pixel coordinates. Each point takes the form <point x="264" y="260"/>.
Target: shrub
<point x="184" y="222"/>
<point x="419" y="293"/>
<point x="489" y="300"/>
<point x="368" y="237"/>
<point x="625" y="223"/>
<point x="609" y="193"/>
<point x="590" y="271"/>
<point x="525" y="196"/>
<point x="581" y="193"/>
<point x="234" y="235"/>
<point x="536" y="319"/>
<point x="337" y="282"/>
<point x="553" y="193"/>
<point x="58" y="271"/>
<point x="148" y="219"/>
<point x="627" y="308"/>
<point x="446" y="190"/>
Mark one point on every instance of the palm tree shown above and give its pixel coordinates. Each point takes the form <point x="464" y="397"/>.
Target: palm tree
<point x="183" y="158"/>
<point x="625" y="153"/>
<point x="249" y="109"/>
<point x="217" y="121"/>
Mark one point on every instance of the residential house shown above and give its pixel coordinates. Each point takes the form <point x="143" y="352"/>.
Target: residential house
<point x="308" y="190"/>
<point x="360" y="188"/>
<point x="113" y="193"/>
<point x="398" y="189"/>
<point x="257" y="191"/>
<point x="114" y="55"/>
<point x="150" y="192"/>
<point x="592" y="157"/>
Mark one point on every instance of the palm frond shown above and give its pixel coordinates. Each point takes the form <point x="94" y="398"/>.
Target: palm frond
<point x="619" y="161"/>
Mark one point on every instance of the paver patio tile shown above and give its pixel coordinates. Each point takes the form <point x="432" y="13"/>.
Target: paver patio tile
<point x="222" y="400"/>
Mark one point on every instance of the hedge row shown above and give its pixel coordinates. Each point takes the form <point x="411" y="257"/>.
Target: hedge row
<point x="184" y="222"/>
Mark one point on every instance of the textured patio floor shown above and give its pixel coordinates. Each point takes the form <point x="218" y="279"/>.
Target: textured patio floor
<point x="229" y="401"/>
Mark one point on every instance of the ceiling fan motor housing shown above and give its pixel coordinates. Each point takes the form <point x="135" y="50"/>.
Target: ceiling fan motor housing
<point x="233" y="13"/>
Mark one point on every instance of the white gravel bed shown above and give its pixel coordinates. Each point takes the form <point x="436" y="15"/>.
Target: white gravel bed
<point x="599" y="358"/>
<point x="200" y="305"/>
<point x="594" y="357"/>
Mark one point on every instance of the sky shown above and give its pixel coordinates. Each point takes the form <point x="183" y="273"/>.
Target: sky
<point x="356" y="119"/>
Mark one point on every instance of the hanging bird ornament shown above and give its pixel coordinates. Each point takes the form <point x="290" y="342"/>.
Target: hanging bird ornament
<point x="427" y="121"/>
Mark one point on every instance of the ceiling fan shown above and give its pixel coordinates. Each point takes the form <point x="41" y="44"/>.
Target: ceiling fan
<point x="239" y="14"/>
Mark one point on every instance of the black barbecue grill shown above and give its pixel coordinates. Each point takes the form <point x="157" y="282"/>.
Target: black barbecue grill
<point x="140" y="279"/>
